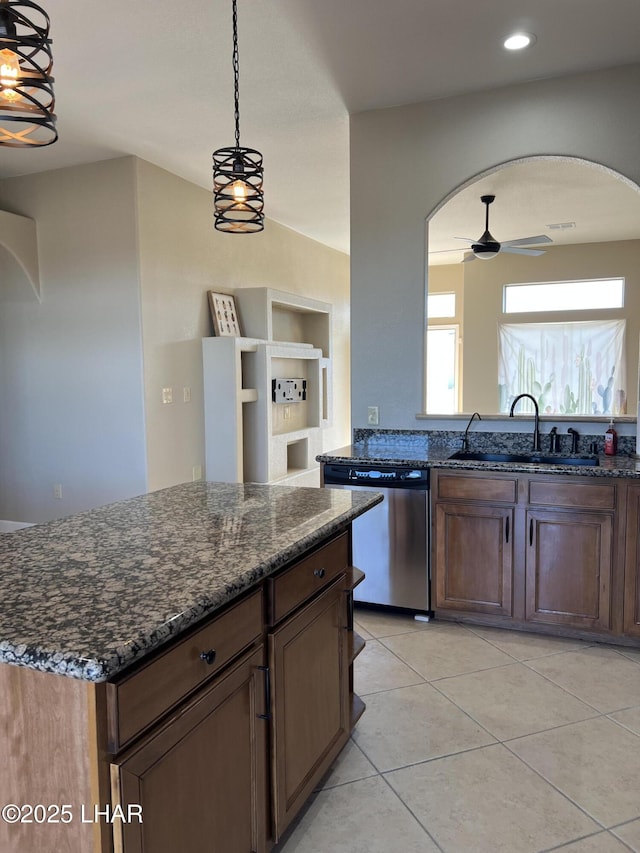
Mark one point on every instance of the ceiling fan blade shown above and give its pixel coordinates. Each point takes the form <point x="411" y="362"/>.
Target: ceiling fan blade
<point x="528" y="241"/>
<point x="514" y="250"/>
<point x="468" y="239"/>
<point x="469" y="257"/>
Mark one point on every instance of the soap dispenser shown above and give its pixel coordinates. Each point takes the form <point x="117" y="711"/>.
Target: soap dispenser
<point x="610" y="440"/>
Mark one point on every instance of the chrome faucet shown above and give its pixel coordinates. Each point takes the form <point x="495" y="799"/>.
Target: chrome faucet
<point x="536" y="431"/>
<point x="465" y="440"/>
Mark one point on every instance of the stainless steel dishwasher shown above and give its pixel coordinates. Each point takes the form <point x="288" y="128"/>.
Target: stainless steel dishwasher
<point x="391" y="541"/>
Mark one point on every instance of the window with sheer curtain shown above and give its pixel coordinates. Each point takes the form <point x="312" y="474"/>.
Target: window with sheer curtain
<point x="574" y="368"/>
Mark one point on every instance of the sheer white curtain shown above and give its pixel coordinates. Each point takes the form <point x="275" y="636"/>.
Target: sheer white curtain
<point x="570" y="368"/>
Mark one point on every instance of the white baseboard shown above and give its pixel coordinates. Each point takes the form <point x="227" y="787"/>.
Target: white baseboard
<point x="10" y="526"/>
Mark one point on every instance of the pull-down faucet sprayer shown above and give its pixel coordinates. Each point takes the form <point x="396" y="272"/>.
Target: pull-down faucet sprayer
<point x="536" y="431"/>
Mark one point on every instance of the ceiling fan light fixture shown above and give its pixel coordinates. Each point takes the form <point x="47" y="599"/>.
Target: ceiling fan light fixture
<point x="237" y="172"/>
<point x="518" y="41"/>
<point x="486" y="251"/>
<point x="27" y="101"/>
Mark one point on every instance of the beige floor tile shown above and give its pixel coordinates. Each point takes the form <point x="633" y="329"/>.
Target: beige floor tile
<point x="442" y="652"/>
<point x="596" y="763"/>
<point x="379" y="623"/>
<point x="376" y="669"/>
<point x="350" y="766"/>
<point x="603" y="842"/>
<point x="360" y="629"/>
<point x="598" y="676"/>
<point x="632" y="654"/>
<point x="512" y="701"/>
<point x="629" y="718"/>
<point x="414" y="724"/>
<point x="487" y="801"/>
<point x="361" y="817"/>
<point x="630" y="834"/>
<point x="524" y="646"/>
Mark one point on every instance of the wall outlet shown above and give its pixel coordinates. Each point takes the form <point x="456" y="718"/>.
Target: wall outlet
<point x="57" y="491"/>
<point x="186" y="394"/>
<point x="196" y="472"/>
<point x="167" y="395"/>
<point x="373" y="415"/>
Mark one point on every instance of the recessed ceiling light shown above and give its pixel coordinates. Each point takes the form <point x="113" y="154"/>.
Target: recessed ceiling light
<point x="518" y="41"/>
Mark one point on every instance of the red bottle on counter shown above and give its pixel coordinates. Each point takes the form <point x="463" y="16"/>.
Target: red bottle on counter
<point x="610" y="440"/>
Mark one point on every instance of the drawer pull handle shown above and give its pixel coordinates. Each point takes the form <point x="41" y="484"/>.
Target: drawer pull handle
<point x="507" y="531"/>
<point x="531" y="532"/>
<point x="209" y="657"/>
<point x="319" y="573"/>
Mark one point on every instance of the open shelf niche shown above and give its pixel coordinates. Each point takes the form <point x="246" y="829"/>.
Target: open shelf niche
<point x="248" y="436"/>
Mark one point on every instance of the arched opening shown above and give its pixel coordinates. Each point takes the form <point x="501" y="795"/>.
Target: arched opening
<point x="592" y="216"/>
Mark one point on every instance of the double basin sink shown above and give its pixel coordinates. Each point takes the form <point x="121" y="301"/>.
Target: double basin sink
<point x="531" y="458"/>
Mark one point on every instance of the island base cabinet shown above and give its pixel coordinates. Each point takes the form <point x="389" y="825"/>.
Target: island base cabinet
<point x="309" y="663"/>
<point x="474" y="557"/>
<point x="200" y="777"/>
<point x="568" y="568"/>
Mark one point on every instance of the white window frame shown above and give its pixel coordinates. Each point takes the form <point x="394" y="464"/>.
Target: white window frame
<point x="455" y="327"/>
<point x="442" y="293"/>
<point x="547" y="301"/>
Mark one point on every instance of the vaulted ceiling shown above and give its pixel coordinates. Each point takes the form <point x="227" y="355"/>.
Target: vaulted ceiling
<point x="154" y="79"/>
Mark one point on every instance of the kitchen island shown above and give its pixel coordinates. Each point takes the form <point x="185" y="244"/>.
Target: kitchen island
<point x="151" y="651"/>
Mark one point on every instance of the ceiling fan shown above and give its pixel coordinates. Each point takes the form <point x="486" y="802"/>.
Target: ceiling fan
<point x="488" y="247"/>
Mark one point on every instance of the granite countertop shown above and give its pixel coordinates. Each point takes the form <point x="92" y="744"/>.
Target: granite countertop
<point x="87" y="595"/>
<point x="428" y="455"/>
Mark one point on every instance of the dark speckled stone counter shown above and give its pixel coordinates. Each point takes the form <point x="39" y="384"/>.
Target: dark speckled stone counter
<point x="87" y="595"/>
<point x="426" y="455"/>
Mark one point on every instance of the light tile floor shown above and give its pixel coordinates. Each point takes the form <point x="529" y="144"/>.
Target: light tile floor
<point x="477" y="739"/>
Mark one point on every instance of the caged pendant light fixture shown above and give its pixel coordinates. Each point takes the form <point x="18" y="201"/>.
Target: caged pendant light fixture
<point x="27" y="100"/>
<point x="237" y="173"/>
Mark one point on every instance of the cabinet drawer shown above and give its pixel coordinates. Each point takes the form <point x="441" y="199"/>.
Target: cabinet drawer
<point x="311" y="574"/>
<point x="573" y="494"/>
<point x="476" y="488"/>
<point x="140" y="698"/>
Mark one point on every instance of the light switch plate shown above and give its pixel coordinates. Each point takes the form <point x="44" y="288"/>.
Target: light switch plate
<point x="373" y="415"/>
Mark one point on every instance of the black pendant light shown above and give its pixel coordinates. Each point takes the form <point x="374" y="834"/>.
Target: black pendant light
<point x="27" y="101"/>
<point x="237" y="173"/>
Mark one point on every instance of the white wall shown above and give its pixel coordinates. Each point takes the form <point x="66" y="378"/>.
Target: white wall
<point x="407" y="160"/>
<point x="127" y="253"/>
<point x="181" y="257"/>
<point x="71" y="407"/>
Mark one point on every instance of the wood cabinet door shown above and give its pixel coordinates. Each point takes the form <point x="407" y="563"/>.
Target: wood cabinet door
<point x="631" y="609"/>
<point x="473" y="558"/>
<point x="202" y="778"/>
<point x="568" y="568"/>
<point x="309" y="662"/>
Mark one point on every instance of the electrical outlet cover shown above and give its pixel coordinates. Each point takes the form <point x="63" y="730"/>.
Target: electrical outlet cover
<point x="288" y="390"/>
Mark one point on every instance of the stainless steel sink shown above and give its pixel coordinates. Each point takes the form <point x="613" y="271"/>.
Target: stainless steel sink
<point x="531" y="458"/>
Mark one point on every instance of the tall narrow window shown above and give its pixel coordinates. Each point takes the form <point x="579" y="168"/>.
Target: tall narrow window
<point x="442" y="370"/>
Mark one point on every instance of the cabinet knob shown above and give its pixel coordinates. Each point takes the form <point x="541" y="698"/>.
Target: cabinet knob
<point x="209" y="656"/>
<point x="319" y="573"/>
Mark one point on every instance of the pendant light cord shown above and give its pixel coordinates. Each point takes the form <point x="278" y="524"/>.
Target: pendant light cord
<point x="236" y="72"/>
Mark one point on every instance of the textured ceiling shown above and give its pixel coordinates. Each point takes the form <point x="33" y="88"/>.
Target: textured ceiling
<point x="154" y="79"/>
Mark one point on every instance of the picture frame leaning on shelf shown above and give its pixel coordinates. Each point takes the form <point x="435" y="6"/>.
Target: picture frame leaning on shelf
<point x="224" y="314"/>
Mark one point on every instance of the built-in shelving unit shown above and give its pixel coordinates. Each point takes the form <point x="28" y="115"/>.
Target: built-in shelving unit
<point x="248" y="436"/>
